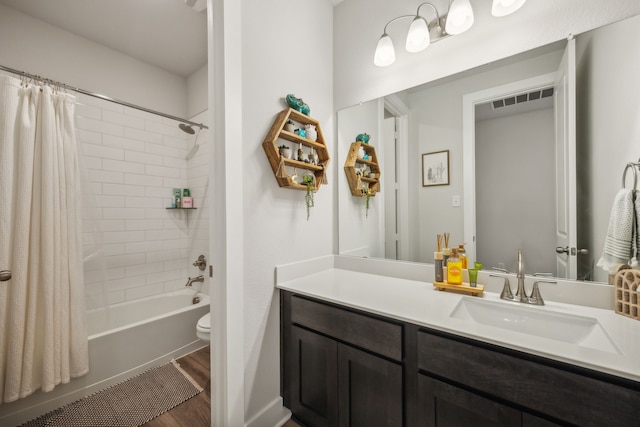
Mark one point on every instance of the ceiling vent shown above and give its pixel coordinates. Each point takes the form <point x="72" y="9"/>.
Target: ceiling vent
<point x="522" y="98"/>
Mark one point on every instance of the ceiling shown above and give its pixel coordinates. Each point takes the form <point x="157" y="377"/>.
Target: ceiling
<point x="168" y="34"/>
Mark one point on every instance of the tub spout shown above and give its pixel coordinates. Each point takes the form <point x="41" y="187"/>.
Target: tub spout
<point x="192" y="280"/>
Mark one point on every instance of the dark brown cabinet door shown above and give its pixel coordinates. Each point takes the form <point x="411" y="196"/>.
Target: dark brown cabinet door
<point x="314" y="374"/>
<point x="369" y="390"/>
<point x="443" y="405"/>
<point x="529" y="420"/>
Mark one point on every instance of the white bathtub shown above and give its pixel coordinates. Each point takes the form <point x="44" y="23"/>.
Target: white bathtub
<point x="124" y="340"/>
<point x="131" y="314"/>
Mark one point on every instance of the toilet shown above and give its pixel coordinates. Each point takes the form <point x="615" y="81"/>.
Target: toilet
<point x="203" y="328"/>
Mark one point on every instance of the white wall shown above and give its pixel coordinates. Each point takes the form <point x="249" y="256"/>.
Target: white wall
<point x="515" y="170"/>
<point x="286" y="48"/>
<point x="359" y="234"/>
<point x="197" y="98"/>
<point x="359" y="23"/>
<point x="608" y="68"/>
<point x="436" y="124"/>
<point x="36" y="47"/>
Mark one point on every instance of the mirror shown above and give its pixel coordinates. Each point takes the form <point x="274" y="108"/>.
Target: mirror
<point x="405" y="217"/>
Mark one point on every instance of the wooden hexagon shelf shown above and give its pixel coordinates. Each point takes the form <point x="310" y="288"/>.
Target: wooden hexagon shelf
<point x="354" y="163"/>
<point x="281" y="164"/>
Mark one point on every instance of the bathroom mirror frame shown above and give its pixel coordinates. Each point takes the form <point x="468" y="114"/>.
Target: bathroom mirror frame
<point x="353" y="225"/>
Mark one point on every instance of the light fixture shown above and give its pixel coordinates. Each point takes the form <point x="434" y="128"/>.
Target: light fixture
<point x="385" y="53"/>
<point x="458" y="19"/>
<point x="418" y="36"/>
<point x="505" y="7"/>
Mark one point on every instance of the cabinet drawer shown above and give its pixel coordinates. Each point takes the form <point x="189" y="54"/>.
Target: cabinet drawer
<point x="551" y="390"/>
<point x="378" y="336"/>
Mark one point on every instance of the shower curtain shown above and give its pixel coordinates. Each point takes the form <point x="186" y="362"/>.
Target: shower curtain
<point x="43" y="340"/>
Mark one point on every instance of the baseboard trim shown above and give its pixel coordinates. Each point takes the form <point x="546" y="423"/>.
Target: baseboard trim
<point x="272" y="415"/>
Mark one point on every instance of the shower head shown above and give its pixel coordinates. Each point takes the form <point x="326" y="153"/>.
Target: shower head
<point x="186" y="128"/>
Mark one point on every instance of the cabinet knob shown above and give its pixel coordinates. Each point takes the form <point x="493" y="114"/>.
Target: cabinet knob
<point x="5" y="275"/>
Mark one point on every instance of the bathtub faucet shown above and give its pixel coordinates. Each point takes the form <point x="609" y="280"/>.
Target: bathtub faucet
<point x="195" y="279"/>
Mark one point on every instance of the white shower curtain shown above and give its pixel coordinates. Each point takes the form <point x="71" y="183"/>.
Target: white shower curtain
<point x="43" y="340"/>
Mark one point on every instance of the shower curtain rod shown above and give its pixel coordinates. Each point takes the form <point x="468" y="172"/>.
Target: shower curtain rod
<point x="104" y="97"/>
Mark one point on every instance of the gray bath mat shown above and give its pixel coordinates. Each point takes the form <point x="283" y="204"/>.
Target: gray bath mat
<point x="128" y="404"/>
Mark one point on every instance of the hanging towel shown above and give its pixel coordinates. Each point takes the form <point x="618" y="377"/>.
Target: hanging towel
<point x="619" y="244"/>
<point x="635" y="249"/>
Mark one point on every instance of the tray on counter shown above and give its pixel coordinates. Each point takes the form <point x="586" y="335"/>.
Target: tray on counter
<point x="464" y="287"/>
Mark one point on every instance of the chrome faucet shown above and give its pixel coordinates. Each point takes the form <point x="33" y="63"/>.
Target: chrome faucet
<point x="521" y="294"/>
<point x="192" y="280"/>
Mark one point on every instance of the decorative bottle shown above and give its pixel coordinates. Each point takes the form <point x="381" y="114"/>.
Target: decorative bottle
<point x="439" y="266"/>
<point x="462" y="254"/>
<point x="454" y="268"/>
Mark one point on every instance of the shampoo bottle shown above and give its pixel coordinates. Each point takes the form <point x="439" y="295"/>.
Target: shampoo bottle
<point x="454" y="268"/>
<point x="187" y="200"/>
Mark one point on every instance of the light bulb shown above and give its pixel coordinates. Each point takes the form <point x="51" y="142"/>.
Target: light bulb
<point x="385" y="53"/>
<point x="418" y="36"/>
<point x="460" y="17"/>
<point x="505" y="7"/>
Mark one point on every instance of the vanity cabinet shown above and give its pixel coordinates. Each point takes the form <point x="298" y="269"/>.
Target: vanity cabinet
<point x="542" y="392"/>
<point x="345" y="367"/>
<point x="340" y="368"/>
<point x="442" y="404"/>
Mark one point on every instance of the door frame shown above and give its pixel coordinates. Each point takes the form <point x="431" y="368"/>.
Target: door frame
<point x="225" y="217"/>
<point x="400" y="111"/>
<point x="469" y="102"/>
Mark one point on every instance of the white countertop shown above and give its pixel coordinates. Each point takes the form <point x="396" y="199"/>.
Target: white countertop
<point x="419" y="303"/>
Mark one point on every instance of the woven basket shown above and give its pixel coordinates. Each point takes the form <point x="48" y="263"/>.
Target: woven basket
<point x="627" y="293"/>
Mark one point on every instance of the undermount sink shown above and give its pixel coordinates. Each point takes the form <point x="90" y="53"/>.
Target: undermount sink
<point x="569" y="328"/>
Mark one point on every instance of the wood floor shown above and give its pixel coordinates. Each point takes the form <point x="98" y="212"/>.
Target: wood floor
<point x="195" y="412"/>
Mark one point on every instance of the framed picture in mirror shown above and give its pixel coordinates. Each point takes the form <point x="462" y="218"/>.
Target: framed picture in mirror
<point x="435" y="168"/>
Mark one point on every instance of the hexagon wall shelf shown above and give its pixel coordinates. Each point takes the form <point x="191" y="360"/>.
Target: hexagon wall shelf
<point x="354" y="163"/>
<point x="281" y="165"/>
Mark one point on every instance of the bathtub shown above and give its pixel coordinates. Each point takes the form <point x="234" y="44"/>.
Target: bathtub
<point x="124" y="340"/>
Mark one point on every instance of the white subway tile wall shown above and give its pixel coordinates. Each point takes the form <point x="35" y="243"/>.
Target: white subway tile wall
<point x="198" y="179"/>
<point x="133" y="160"/>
